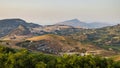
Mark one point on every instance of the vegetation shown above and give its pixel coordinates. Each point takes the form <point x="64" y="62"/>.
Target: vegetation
<point x="107" y="37"/>
<point x="49" y="43"/>
<point x="11" y="58"/>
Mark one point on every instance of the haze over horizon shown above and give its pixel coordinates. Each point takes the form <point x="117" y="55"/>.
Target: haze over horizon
<point x="52" y="11"/>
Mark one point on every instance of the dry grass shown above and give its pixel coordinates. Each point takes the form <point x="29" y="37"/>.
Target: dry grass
<point x="46" y="37"/>
<point x="116" y="58"/>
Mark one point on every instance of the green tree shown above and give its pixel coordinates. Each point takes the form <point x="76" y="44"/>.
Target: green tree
<point x="40" y="65"/>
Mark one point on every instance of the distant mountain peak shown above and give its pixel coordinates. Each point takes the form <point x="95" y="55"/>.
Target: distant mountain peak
<point x="71" y="21"/>
<point x="78" y="23"/>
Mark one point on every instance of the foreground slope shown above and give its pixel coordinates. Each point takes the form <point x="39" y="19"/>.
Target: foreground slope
<point x="49" y="43"/>
<point x="56" y="44"/>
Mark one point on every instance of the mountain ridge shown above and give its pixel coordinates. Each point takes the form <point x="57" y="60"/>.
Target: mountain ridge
<point x="78" y="23"/>
<point x="7" y="25"/>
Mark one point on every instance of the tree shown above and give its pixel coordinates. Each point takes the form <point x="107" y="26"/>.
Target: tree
<point x="40" y="65"/>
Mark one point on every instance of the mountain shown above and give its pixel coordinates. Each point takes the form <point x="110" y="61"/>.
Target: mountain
<point x="19" y="33"/>
<point x="73" y="22"/>
<point x="77" y="23"/>
<point x="7" y="25"/>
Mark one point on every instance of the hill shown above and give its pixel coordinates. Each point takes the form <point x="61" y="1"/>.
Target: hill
<point x="107" y="37"/>
<point x="7" y="25"/>
<point x="56" y="44"/>
<point x="55" y="29"/>
<point x="49" y="43"/>
<point x="20" y="30"/>
<point x="19" y="33"/>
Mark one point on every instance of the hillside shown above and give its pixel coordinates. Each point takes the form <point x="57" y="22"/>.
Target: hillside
<point x="19" y="33"/>
<point x="52" y="28"/>
<point x="55" y="29"/>
<point x="107" y="37"/>
<point x="20" y="30"/>
<point x="7" y="25"/>
<point x="49" y="43"/>
<point x="56" y="44"/>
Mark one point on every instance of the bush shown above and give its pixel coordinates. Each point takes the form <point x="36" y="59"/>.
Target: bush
<point x="10" y="58"/>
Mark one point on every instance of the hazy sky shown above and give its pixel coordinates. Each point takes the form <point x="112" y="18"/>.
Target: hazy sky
<point x="52" y="11"/>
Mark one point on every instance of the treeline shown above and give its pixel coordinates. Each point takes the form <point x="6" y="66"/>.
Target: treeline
<point x="11" y="58"/>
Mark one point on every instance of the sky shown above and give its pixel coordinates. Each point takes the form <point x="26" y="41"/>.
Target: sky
<point x="53" y="11"/>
